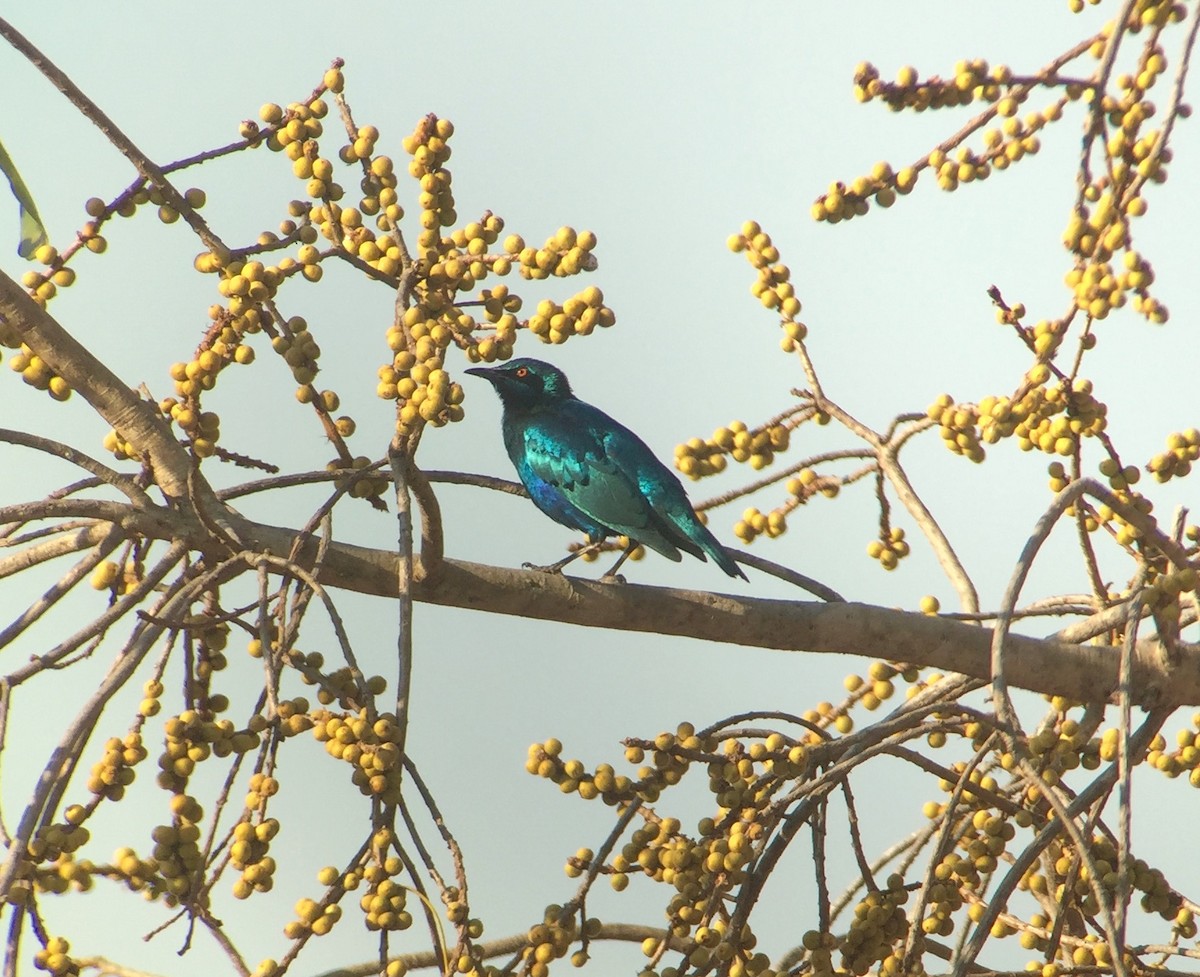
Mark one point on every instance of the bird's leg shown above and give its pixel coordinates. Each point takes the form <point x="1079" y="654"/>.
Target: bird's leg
<point x="612" y="574"/>
<point x="569" y="558"/>
<point x="552" y="567"/>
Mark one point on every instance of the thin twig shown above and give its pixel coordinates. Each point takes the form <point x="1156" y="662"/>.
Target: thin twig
<point x="817" y="826"/>
<point x="148" y="169"/>
<point x="127" y="485"/>
<point x="1124" y="893"/>
<point x="398" y="457"/>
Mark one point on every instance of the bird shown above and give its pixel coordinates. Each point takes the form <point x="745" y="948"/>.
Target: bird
<point x="592" y="474"/>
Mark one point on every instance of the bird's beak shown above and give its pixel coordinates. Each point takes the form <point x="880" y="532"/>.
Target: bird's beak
<point x="481" y="371"/>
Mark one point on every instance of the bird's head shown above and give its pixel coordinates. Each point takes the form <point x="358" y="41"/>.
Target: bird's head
<point x="526" y="383"/>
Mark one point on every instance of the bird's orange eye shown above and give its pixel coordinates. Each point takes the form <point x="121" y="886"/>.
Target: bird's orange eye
<point x="521" y="372"/>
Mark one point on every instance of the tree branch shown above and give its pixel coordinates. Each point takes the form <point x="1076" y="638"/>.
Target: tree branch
<point x="1085" y="673"/>
<point x="137" y="421"/>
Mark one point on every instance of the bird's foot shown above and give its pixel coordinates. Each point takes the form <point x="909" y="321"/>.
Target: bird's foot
<point x="552" y="568"/>
<point x="618" y="578"/>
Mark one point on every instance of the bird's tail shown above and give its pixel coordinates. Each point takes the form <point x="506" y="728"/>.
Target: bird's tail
<point x="726" y="561"/>
<point x="721" y="556"/>
<point x="682" y="526"/>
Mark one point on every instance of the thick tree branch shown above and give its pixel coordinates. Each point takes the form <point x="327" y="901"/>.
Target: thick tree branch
<point x="137" y="421"/>
<point x="1085" y="673"/>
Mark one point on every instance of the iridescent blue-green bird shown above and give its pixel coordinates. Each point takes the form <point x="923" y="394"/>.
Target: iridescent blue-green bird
<point x="590" y="473"/>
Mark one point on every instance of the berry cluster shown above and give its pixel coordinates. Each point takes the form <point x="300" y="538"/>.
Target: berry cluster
<point x="55" y="958"/>
<point x="312" y="918"/>
<point x="1183" y="448"/>
<point x="383" y="904"/>
<point x="362" y="479"/>
<point x="880" y="925"/>
<point x="773" y="287"/>
<point x="577" y="316"/>
<point x="972" y="81"/>
<point x="568" y="252"/>
<point x="120" y="578"/>
<point x="889" y="549"/>
<point x="372" y="748"/>
<point x="756" y="448"/>
<point x="1051" y="418"/>
<point x="959" y="425"/>
<point x="550" y="940"/>
<point x="755" y="523"/>
<point x="878" y="690"/>
<point x="114" y="771"/>
<point x="1185" y="757"/>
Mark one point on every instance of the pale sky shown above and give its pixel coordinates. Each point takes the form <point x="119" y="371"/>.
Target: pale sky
<point x="661" y="128"/>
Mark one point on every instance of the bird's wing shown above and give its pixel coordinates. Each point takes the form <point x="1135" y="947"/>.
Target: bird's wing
<point x="569" y="452"/>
